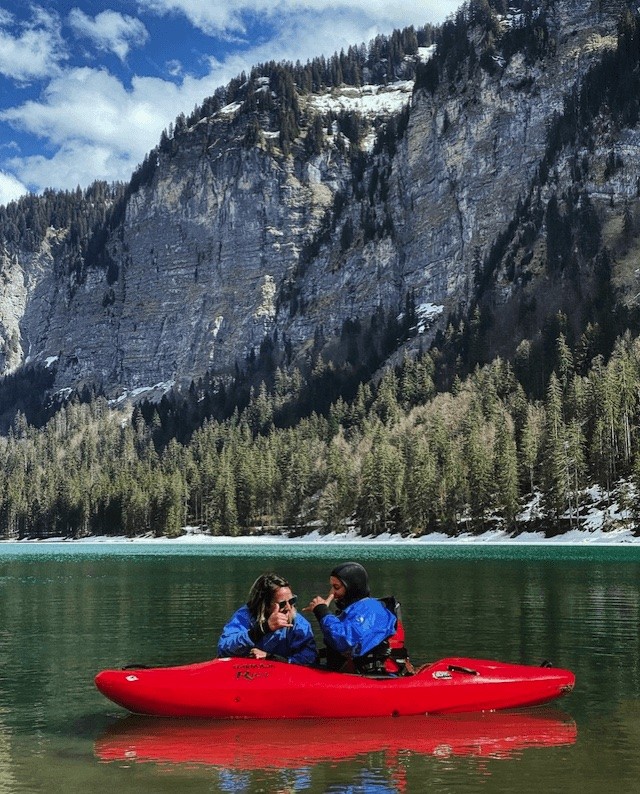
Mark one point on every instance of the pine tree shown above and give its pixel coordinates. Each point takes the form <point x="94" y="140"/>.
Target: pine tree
<point x="385" y="404"/>
<point x="382" y="476"/>
<point x="340" y="494"/>
<point x="478" y="448"/>
<point x="603" y="448"/>
<point x="225" y="511"/>
<point x="420" y="486"/>
<point x="506" y="471"/>
<point x="564" y="361"/>
<point x="530" y="445"/>
<point x="575" y="470"/>
<point x="556" y="469"/>
<point x="626" y="373"/>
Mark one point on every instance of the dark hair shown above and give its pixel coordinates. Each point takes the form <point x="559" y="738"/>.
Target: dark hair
<point x="261" y="595"/>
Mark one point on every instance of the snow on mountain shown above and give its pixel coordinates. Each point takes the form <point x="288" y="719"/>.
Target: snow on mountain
<point x="369" y="100"/>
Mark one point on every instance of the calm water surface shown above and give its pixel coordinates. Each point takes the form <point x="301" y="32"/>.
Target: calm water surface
<point x="69" y="610"/>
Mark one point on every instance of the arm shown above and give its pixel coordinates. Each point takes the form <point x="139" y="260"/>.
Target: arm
<point x="344" y="636"/>
<point x="294" y="644"/>
<point x="360" y="627"/>
<point x="335" y="631"/>
<point x="239" y="636"/>
<point x="242" y="636"/>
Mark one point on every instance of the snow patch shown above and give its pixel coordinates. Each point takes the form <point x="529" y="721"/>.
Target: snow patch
<point x="153" y="392"/>
<point x="63" y="394"/>
<point x="577" y="537"/>
<point x="426" y="53"/>
<point x="217" y="325"/>
<point x="230" y="110"/>
<point x="369" y="100"/>
<point x="427" y="312"/>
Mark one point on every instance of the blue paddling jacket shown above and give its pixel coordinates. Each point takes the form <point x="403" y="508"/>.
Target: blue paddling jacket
<point x="242" y="633"/>
<point x="359" y="628"/>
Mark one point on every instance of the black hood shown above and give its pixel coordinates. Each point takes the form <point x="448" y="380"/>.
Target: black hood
<point x="356" y="581"/>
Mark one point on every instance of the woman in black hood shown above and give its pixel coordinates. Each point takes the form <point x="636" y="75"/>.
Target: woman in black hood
<point x="361" y="624"/>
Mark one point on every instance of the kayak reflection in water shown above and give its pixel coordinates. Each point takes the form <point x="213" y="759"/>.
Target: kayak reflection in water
<point x="357" y="635"/>
<point x="267" y="744"/>
<point x="268" y="626"/>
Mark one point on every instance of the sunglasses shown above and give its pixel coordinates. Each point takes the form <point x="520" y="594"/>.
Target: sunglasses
<point x="282" y="605"/>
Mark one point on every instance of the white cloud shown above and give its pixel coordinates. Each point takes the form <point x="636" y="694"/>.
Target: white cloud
<point x="99" y="128"/>
<point x="211" y="17"/>
<point x="31" y="49"/>
<point x="74" y="163"/>
<point x="174" y="67"/>
<point x="110" y="31"/>
<point x="10" y="188"/>
<point x="224" y="16"/>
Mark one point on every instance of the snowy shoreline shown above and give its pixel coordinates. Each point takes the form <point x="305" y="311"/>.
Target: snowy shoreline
<point x="578" y="537"/>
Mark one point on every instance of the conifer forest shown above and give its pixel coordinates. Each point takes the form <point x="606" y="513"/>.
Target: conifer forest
<point x="399" y="457"/>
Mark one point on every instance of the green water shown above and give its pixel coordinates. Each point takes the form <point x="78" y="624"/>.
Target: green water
<point x="69" y="610"/>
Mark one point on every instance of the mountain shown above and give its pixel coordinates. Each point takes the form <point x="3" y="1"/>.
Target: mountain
<point x="465" y="186"/>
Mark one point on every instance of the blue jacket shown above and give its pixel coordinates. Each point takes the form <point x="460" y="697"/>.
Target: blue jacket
<point x="359" y="627"/>
<point x="296" y="644"/>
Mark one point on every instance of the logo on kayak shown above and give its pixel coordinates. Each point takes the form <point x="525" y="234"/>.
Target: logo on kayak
<point x="250" y="671"/>
<point x="441" y="674"/>
<point x="132" y="678"/>
<point x="249" y="676"/>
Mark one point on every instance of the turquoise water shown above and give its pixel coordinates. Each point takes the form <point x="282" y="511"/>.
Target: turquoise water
<point x="557" y="552"/>
<point x="69" y="610"/>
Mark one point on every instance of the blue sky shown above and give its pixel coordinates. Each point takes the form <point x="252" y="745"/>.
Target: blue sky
<point x="86" y="87"/>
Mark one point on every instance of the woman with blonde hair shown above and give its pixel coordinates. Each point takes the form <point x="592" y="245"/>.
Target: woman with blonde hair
<point x="269" y="626"/>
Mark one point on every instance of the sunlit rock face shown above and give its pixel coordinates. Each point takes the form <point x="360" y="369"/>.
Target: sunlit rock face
<point x="230" y="242"/>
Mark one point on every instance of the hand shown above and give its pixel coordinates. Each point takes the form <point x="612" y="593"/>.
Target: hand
<point x="318" y="600"/>
<point x="257" y="653"/>
<point x="279" y="620"/>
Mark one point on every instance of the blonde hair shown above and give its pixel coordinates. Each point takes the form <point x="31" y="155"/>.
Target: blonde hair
<point x="261" y="596"/>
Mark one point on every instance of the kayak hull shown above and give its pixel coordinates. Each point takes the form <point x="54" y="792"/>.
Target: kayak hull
<point x="258" y="689"/>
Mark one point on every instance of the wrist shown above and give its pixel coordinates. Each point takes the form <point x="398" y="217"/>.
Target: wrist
<point x="321" y="611"/>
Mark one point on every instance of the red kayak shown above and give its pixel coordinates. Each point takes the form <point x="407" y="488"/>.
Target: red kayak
<point x="257" y="688"/>
<point x="260" y="744"/>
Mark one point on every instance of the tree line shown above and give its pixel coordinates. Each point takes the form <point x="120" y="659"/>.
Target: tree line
<point x="399" y="457"/>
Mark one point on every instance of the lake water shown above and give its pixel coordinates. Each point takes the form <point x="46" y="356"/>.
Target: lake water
<point x="69" y="610"/>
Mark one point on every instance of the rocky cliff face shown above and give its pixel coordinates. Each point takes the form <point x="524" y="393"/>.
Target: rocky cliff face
<point x="230" y="242"/>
